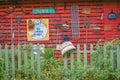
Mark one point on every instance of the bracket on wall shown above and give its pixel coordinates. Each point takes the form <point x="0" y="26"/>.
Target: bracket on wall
<point x="16" y="5"/>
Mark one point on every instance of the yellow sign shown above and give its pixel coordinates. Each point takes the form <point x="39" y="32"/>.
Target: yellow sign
<point x="37" y="29"/>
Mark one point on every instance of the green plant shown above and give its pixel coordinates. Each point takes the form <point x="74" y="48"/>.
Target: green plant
<point x="3" y="75"/>
<point x="53" y="69"/>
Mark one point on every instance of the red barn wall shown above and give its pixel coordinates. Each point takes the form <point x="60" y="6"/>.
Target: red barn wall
<point x="97" y="8"/>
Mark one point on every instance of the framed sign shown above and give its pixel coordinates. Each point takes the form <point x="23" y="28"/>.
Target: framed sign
<point x="37" y="29"/>
<point x="45" y="11"/>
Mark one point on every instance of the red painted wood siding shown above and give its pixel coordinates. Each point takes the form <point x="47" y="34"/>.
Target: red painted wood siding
<point x="97" y="8"/>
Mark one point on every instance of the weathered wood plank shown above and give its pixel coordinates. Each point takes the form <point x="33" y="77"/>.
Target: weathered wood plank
<point x="85" y="55"/>
<point x="25" y="59"/>
<point x="19" y="57"/>
<point x="6" y="60"/>
<point x="32" y="60"/>
<point x="91" y="52"/>
<point x="111" y="59"/>
<point x="78" y="54"/>
<point x="38" y="59"/>
<point x="13" y="61"/>
<point x="72" y="60"/>
<point x="65" y="61"/>
<point x="105" y="57"/>
<point x="118" y="57"/>
<point x="0" y="51"/>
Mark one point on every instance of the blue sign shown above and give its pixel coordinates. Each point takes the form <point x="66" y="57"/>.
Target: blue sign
<point x="40" y="29"/>
<point x="45" y="11"/>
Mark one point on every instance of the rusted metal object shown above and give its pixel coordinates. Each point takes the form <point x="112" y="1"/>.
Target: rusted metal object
<point x="14" y="6"/>
<point x="86" y="10"/>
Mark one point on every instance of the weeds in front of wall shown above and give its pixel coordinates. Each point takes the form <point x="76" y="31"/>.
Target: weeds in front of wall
<point x="52" y="69"/>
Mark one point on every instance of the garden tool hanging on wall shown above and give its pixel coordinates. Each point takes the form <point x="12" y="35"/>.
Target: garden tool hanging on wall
<point x="86" y="22"/>
<point x="86" y="25"/>
<point x="75" y="24"/>
<point x="64" y="25"/>
<point x="102" y="15"/>
<point x="18" y="19"/>
<point x="96" y="28"/>
<point x="112" y="15"/>
<point x="57" y="20"/>
<point x="12" y="32"/>
<point x="57" y="41"/>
